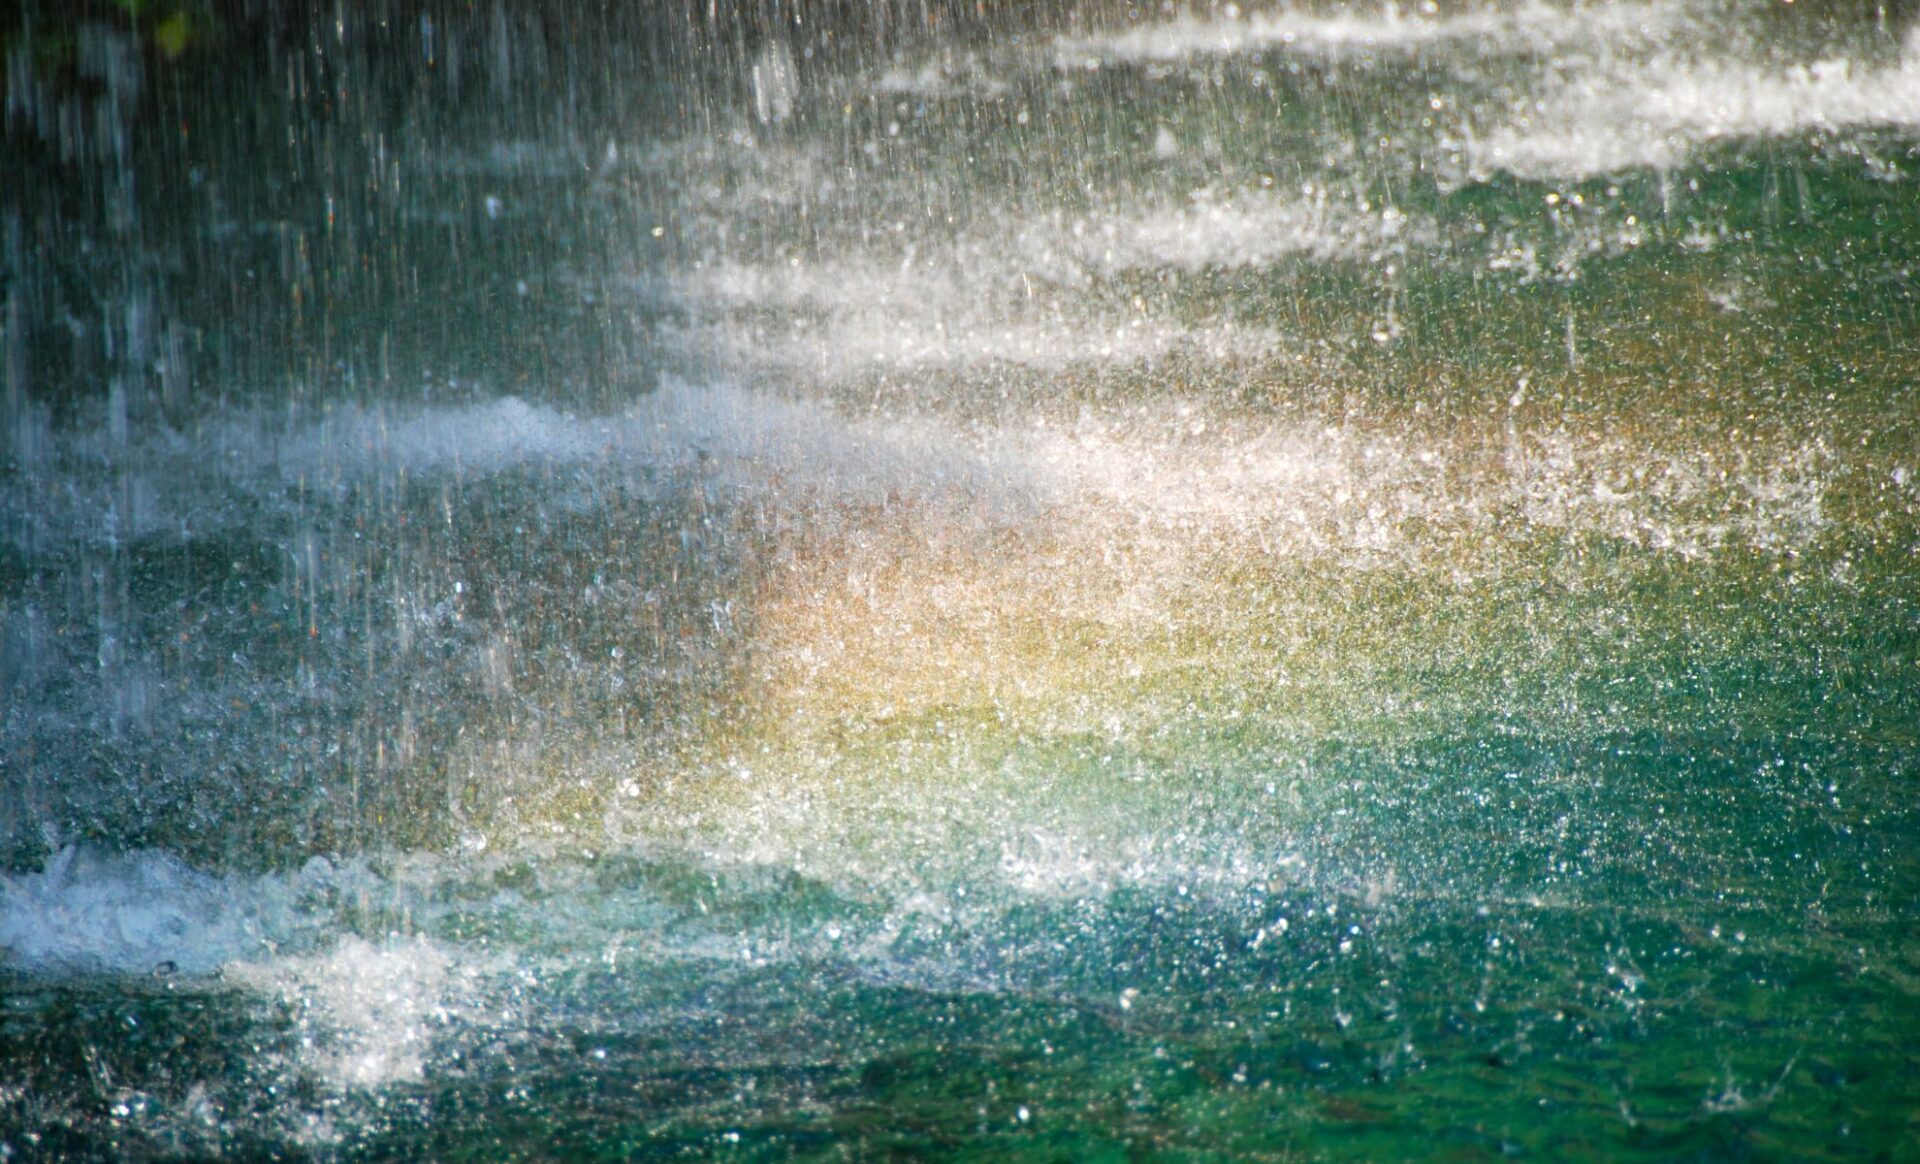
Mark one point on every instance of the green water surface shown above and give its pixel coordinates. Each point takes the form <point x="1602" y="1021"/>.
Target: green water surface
<point x="1248" y="628"/>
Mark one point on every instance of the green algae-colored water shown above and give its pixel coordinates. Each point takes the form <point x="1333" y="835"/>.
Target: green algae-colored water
<point x="1269" y="583"/>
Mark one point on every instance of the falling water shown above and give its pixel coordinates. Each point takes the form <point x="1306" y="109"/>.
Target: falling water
<point x="1322" y="581"/>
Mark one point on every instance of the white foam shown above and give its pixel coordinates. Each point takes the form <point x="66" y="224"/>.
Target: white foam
<point x="1614" y="116"/>
<point x="369" y="1013"/>
<point x="793" y="453"/>
<point x="139" y="912"/>
<point x="945" y="74"/>
<point x="1163" y="467"/>
<point x="1060" y="864"/>
<point x="723" y="434"/>
<point x="1529" y="27"/>
<point x="1302" y="490"/>
<point x="481" y="438"/>
<point x="1255" y="229"/>
<point x="1009" y="296"/>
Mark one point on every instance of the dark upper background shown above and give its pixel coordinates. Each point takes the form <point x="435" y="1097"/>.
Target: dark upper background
<point x="280" y="198"/>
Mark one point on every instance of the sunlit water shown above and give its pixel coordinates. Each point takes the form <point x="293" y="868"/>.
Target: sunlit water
<point x="1297" y="583"/>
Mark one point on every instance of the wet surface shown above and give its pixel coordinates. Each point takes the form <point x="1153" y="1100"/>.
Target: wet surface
<point x="1315" y="583"/>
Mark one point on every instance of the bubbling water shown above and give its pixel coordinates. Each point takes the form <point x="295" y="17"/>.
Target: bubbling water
<point x="1162" y="577"/>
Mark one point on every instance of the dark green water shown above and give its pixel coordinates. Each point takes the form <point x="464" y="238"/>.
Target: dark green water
<point x="1329" y="583"/>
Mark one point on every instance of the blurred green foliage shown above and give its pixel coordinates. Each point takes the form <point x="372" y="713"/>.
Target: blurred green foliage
<point x="45" y="37"/>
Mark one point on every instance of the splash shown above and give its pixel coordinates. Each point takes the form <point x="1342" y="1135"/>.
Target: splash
<point x="1017" y="296"/>
<point x="1526" y="28"/>
<point x="89" y="911"/>
<point x="369" y="1014"/>
<point x="1607" y="118"/>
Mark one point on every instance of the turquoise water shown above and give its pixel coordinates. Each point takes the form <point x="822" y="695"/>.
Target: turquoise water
<point x="1317" y="583"/>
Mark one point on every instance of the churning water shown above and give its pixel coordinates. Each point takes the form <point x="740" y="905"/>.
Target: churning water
<point x="1305" y="582"/>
